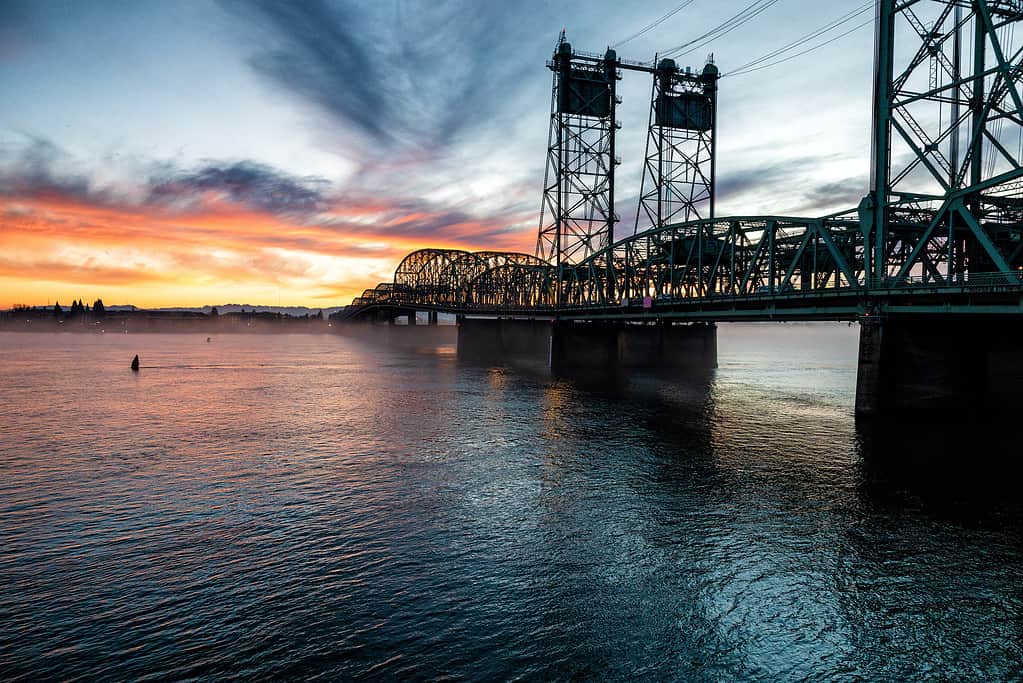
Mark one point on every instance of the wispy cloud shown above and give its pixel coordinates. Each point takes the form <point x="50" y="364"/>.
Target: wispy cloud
<point x="845" y="193"/>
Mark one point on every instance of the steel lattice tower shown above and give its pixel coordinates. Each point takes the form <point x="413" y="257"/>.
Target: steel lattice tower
<point x="577" y="215"/>
<point x="678" y="174"/>
<point x="946" y="196"/>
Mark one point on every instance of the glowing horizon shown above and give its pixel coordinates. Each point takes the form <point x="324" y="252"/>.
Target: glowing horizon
<point x="213" y="250"/>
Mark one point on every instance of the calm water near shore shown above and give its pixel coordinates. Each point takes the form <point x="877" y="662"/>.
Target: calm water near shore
<point x="293" y="506"/>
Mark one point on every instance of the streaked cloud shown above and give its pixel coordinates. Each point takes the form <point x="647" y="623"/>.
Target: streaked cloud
<point x="401" y="74"/>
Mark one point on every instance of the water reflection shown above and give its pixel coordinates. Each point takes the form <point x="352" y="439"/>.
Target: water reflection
<point x="965" y="470"/>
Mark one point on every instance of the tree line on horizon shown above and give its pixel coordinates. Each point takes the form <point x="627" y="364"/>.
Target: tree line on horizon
<point x="98" y="310"/>
<point x="78" y="307"/>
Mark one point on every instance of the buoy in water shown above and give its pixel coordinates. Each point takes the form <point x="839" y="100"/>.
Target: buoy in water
<point x="135" y="363"/>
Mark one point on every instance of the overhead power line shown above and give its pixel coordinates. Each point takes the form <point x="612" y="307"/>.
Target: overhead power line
<point x="802" y="52"/>
<point x="738" y="19"/>
<point x="764" y="61"/>
<point x="651" y="26"/>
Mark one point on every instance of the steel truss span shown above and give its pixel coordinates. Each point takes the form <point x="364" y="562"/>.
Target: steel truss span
<point x="940" y="231"/>
<point x="712" y="264"/>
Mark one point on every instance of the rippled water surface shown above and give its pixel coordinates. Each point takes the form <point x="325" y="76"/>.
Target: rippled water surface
<point x="301" y="506"/>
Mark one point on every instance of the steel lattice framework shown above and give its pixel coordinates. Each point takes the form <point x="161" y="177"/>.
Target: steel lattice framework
<point x="734" y="257"/>
<point x="455" y="278"/>
<point x="678" y="174"/>
<point x="577" y="213"/>
<point x="947" y="142"/>
<point x="941" y="228"/>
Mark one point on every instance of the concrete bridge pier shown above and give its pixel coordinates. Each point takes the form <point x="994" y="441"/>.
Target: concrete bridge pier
<point x="567" y="346"/>
<point x="964" y="366"/>
<point x="633" y="346"/>
<point x="525" y="341"/>
<point x="661" y="346"/>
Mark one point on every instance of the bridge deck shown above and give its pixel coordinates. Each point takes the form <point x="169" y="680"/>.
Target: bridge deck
<point x="835" y="304"/>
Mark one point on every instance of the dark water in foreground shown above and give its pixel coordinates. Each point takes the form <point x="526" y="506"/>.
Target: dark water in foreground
<point x="303" y="506"/>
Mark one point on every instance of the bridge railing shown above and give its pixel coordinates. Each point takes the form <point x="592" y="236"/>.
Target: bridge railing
<point x="962" y="281"/>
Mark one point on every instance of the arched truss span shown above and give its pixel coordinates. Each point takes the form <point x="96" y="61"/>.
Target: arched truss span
<point x="449" y="277"/>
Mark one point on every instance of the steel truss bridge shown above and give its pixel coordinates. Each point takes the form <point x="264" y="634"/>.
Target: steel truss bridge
<point x="940" y="231"/>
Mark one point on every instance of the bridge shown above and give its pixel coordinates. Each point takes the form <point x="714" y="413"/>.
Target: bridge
<point x="930" y="263"/>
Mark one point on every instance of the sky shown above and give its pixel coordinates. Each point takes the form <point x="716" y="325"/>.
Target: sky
<point x="196" y="153"/>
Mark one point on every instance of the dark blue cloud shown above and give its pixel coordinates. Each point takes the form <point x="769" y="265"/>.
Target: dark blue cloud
<point x="254" y="185"/>
<point x="416" y="74"/>
<point x="846" y="192"/>
<point x="44" y="171"/>
<point x="37" y="171"/>
<point x="319" y="52"/>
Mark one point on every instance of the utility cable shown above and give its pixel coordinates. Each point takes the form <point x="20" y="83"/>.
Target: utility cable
<point x="800" y="53"/>
<point x="651" y="26"/>
<point x="735" y="21"/>
<point x="802" y="40"/>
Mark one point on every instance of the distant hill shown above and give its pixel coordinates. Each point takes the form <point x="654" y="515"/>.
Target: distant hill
<point x="293" y="311"/>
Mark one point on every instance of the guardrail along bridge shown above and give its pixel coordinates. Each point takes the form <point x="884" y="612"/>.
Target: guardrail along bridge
<point x="930" y="263"/>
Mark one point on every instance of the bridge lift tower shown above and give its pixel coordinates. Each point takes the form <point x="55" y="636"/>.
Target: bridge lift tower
<point x="577" y="216"/>
<point x="678" y="174"/>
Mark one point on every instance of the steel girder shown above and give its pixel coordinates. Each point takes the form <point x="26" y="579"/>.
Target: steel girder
<point x="948" y="140"/>
<point x="742" y="256"/>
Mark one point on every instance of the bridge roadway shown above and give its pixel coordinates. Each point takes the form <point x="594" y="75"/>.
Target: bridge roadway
<point x="988" y="296"/>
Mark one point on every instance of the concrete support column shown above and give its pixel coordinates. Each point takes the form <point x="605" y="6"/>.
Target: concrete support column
<point x="939" y="366"/>
<point x="668" y="346"/>
<point x="871" y="386"/>
<point x="584" y="345"/>
<point x="587" y="345"/>
<point x="479" y="339"/>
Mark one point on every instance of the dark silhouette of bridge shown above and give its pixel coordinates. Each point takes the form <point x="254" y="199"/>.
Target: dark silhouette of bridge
<point x="930" y="263"/>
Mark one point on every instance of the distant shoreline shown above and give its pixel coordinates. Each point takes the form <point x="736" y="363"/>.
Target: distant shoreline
<point x="119" y="322"/>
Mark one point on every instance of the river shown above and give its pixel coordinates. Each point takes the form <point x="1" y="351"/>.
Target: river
<point x="294" y="506"/>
